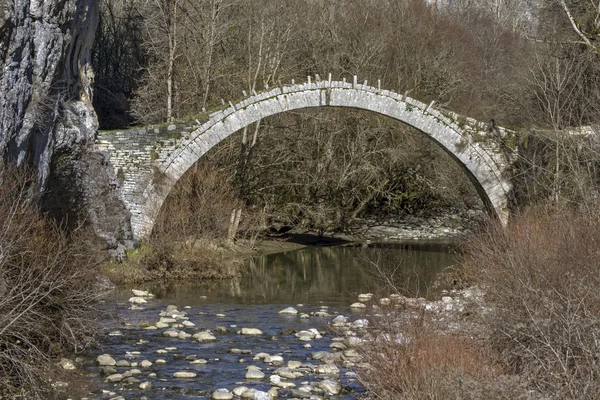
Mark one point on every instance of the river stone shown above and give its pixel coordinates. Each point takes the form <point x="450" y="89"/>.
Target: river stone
<point x="130" y="380"/>
<point x="171" y="308"/>
<point x="337" y="346"/>
<point x="289" y="311"/>
<point x="122" y="363"/>
<point x="199" y="361"/>
<point x="286" y="385"/>
<point x="172" y="333"/>
<point x="248" y="393"/>
<point x="365" y="296"/>
<point x="221" y="330"/>
<point x="141" y="293"/>
<point x="162" y="325"/>
<point x="339" y="320"/>
<point x="114" y="378"/>
<point x="135" y="371"/>
<point x="301" y="394"/>
<point x="145" y="364"/>
<point x="183" y="335"/>
<point x="184" y="374"/>
<point x="188" y="324"/>
<point x="108" y="370"/>
<point x="272" y="393"/>
<point x="330" y="387"/>
<point x="304" y="316"/>
<point x="137" y="300"/>
<point x="105" y="360"/>
<point x="204" y="335"/>
<point x="222" y="394"/>
<point x="327" y="369"/>
<point x="67" y="364"/>
<point x="167" y="320"/>
<point x="385" y="301"/>
<point x="294" y="364"/>
<point x="162" y="351"/>
<point x="145" y="385"/>
<point x="351" y="353"/>
<point x="305" y="334"/>
<point x="358" y="305"/>
<point x="160" y="361"/>
<point x="275" y="360"/>
<point x="361" y="323"/>
<point x="239" y="390"/>
<point x="255" y="374"/>
<point x="250" y="331"/>
<point x="287" y="373"/>
<point x="260" y="356"/>
<point x="274" y="379"/>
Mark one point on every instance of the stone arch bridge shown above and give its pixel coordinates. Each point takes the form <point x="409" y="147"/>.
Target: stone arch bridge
<point x="148" y="162"/>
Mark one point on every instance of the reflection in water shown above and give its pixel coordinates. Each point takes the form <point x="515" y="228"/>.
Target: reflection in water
<point x="334" y="275"/>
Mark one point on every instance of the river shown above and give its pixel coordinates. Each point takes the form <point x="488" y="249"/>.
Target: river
<point x="319" y="282"/>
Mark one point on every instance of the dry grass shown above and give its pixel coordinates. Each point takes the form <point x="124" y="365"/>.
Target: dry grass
<point x="422" y="363"/>
<point x="543" y="276"/>
<point x="47" y="290"/>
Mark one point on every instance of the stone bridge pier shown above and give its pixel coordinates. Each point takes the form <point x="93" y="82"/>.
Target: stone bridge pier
<point x="149" y="161"/>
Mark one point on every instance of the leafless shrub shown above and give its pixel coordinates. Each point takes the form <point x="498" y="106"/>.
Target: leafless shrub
<point x="47" y="289"/>
<point x="418" y="362"/>
<point x="543" y="275"/>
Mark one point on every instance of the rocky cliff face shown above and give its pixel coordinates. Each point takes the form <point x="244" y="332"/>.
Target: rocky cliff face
<point x="46" y="114"/>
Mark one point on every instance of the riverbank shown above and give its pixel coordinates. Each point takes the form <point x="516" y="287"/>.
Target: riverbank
<point x="212" y="259"/>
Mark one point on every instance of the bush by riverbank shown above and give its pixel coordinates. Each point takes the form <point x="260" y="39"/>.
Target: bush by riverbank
<point x="537" y="324"/>
<point x="542" y="275"/>
<point x="48" y="289"/>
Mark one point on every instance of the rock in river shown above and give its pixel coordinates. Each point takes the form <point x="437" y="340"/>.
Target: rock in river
<point x="222" y="394"/>
<point x="289" y="311"/>
<point x="105" y="360"/>
<point x="254" y="374"/>
<point x="250" y="331"/>
<point x="184" y="374"/>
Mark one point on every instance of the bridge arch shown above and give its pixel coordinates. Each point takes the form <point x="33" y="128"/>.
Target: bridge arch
<point x="462" y="138"/>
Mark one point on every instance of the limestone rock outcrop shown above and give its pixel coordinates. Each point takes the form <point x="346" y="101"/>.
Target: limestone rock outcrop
<point x="46" y="116"/>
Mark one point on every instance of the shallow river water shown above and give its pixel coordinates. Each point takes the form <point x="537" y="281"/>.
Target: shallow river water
<point x="320" y="282"/>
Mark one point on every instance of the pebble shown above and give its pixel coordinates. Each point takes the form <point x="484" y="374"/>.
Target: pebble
<point x="327" y="369"/>
<point x="114" y="378"/>
<point x="172" y="333"/>
<point x="145" y="385"/>
<point x="250" y="331"/>
<point x="289" y="311"/>
<point x="330" y="387"/>
<point x="203" y="336"/>
<point x="184" y="374"/>
<point x="255" y="374"/>
<point x="137" y="300"/>
<point x="145" y="364"/>
<point x="105" y="360"/>
<point x="160" y="361"/>
<point x="199" y="361"/>
<point x="239" y="390"/>
<point x="274" y="360"/>
<point x="222" y="394"/>
<point x="67" y="364"/>
<point x="358" y="305"/>
<point x="141" y="293"/>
